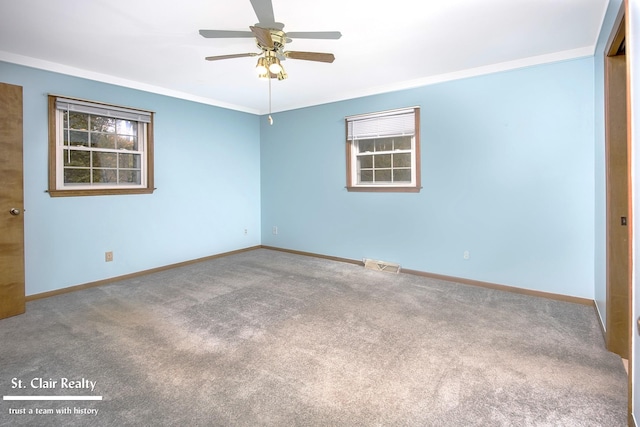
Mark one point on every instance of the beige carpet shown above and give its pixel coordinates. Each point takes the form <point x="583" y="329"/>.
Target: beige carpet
<point x="275" y="339"/>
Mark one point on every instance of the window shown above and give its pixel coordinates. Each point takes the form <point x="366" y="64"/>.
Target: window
<point x="383" y="151"/>
<point x="99" y="149"/>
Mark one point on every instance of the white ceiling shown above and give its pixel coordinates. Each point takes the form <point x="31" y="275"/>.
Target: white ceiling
<point x="154" y="44"/>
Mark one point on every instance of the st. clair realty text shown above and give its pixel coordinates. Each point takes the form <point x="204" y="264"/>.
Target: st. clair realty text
<point x="62" y="383"/>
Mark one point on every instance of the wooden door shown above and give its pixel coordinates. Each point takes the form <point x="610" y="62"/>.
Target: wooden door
<point x="632" y="14"/>
<point x="618" y="218"/>
<point x="12" y="293"/>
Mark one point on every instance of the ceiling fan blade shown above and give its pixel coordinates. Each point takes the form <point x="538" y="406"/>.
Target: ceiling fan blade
<point x="235" y="55"/>
<point x="327" y="35"/>
<point x="311" y="56"/>
<point x="224" y="34"/>
<point x="263" y="35"/>
<point x="264" y="11"/>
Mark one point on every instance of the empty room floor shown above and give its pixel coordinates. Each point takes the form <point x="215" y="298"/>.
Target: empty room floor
<point x="271" y="338"/>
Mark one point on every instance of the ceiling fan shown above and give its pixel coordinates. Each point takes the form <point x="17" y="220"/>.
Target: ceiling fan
<point x="271" y="39"/>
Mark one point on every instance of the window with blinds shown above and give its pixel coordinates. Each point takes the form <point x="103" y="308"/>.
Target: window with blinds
<point x="383" y="151"/>
<point x="97" y="148"/>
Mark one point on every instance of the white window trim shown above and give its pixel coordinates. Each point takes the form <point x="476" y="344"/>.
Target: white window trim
<point x="60" y="147"/>
<point x="355" y="172"/>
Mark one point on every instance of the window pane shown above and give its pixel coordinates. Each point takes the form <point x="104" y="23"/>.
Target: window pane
<point x="76" y="120"/>
<point x="76" y="158"/>
<point x="366" y="176"/>
<point x="126" y="127"/>
<point x="127" y="143"/>
<point x="130" y="177"/>
<point x="104" y="160"/>
<point x="76" y="138"/>
<point x="103" y="140"/>
<point x="383" y="161"/>
<point x="402" y="175"/>
<point x="384" y="144"/>
<point x="402" y="143"/>
<point x="383" y="175"/>
<point x="365" y="161"/>
<point x="365" y="146"/>
<point x="402" y="160"/>
<point x="129" y="161"/>
<point x="77" y="176"/>
<point x="103" y="124"/>
<point x="105" y="176"/>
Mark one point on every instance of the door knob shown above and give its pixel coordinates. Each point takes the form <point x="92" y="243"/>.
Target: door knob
<point x="15" y="211"/>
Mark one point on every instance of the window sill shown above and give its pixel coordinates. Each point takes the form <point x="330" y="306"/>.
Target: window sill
<point x="385" y="189"/>
<point x="100" y="192"/>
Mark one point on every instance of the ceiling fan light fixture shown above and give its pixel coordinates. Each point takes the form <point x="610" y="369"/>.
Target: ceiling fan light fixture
<point x="275" y="66"/>
<point x="262" y="67"/>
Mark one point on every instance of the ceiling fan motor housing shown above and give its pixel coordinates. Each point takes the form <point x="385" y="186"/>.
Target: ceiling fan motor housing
<point x="279" y="40"/>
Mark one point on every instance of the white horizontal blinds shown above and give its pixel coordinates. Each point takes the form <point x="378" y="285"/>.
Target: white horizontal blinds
<point x="383" y="124"/>
<point x="103" y="110"/>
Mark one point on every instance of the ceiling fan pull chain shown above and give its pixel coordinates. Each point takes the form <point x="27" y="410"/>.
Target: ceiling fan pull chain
<point x="270" y="118"/>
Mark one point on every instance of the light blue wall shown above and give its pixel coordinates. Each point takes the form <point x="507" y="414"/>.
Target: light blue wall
<point x="507" y="174"/>
<point x="207" y="174"/>
<point x="600" y="225"/>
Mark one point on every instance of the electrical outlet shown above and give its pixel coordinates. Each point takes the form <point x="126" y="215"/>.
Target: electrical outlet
<point x="246" y="231"/>
<point x="465" y="255"/>
<point x="274" y="229"/>
<point x="108" y="256"/>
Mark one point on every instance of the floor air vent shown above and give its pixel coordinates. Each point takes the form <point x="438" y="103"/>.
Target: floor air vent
<point x="389" y="267"/>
